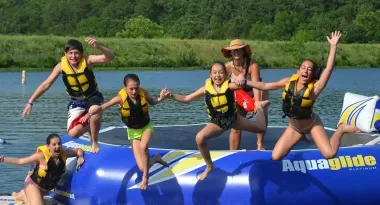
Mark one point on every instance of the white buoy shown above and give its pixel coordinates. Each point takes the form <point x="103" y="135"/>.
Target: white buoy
<point x="2" y="141"/>
<point x="23" y="77"/>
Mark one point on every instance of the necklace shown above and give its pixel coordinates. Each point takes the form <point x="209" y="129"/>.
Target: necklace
<point x="241" y="67"/>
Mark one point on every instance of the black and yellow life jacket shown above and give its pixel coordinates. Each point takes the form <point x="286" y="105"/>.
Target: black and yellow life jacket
<point x="134" y="115"/>
<point x="297" y="104"/>
<point x="219" y="104"/>
<point x="79" y="83"/>
<point x="48" y="178"/>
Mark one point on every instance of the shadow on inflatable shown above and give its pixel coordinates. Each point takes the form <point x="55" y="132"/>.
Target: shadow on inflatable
<point x="168" y="192"/>
<point x="210" y="190"/>
<point x="260" y="176"/>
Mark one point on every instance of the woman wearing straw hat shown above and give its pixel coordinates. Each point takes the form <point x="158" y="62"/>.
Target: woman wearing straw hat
<point x="242" y="67"/>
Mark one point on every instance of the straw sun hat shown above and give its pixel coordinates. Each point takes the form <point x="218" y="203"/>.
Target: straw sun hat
<point x="236" y="44"/>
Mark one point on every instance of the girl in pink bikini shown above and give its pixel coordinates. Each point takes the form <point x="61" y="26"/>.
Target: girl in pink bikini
<point x="49" y="166"/>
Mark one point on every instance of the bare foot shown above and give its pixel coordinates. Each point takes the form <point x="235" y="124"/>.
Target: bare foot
<point x="206" y="172"/>
<point x="159" y="160"/>
<point x="348" y="128"/>
<point x="95" y="147"/>
<point x="262" y="104"/>
<point x="144" y="184"/>
<point x="260" y="146"/>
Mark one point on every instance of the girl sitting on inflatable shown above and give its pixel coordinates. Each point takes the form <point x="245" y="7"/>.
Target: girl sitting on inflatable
<point x="49" y="168"/>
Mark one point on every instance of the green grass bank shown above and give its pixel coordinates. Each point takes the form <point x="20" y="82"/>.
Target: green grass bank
<point x="41" y="53"/>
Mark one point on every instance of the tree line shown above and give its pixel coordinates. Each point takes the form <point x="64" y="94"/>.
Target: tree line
<point x="268" y="20"/>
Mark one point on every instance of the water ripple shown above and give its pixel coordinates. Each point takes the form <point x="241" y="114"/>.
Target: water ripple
<point x="49" y="112"/>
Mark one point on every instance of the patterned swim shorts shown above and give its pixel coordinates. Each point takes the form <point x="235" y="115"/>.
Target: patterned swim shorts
<point x="225" y="123"/>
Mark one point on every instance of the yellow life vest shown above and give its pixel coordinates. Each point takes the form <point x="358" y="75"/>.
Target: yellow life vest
<point x="219" y="104"/>
<point x="79" y="83"/>
<point x="297" y="104"/>
<point x="134" y="115"/>
<point x="48" y="178"/>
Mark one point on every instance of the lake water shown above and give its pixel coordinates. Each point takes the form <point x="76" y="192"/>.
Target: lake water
<point x="49" y="112"/>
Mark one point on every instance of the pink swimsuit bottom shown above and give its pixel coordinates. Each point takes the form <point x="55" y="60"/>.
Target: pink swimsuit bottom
<point x="29" y="180"/>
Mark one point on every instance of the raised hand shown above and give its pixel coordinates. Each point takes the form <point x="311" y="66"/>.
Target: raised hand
<point x="334" y="38"/>
<point x="92" y="42"/>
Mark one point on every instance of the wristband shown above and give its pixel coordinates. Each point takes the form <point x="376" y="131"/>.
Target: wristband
<point x="244" y="83"/>
<point x="30" y="103"/>
<point x="2" y="159"/>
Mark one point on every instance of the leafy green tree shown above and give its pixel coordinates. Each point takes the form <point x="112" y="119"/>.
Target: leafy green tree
<point x="21" y="20"/>
<point x="101" y="27"/>
<point x="260" y="31"/>
<point x="216" y="30"/>
<point x="141" y="27"/>
<point x="295" y="20"/>
<point x="119" y="9"/>
<point x="285" y="24"/>
<point x="355" y="34"/>
<point x="304" y="36"/>
<point x="370" y="22"/>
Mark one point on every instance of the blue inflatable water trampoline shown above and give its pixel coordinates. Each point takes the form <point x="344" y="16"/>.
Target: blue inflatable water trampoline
<point x="241" y="177"/>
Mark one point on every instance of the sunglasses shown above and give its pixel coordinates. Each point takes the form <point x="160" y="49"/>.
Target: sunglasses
<point x="236" y="51"/>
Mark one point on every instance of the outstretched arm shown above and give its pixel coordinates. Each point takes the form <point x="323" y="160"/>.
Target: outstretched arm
<point x="42" y="88"/>
<point x="36" y="157"/>
<point x="261" y="85"/>
<point x="154" y="101"/>
<point x="322" y="82"/>
<point x="76" y="152"/>
<point x="188" y="98"/>
<point x="114" y="101"/>
<point x="255" y="77"/>
<point x="97" y="109"/>
<point x="107" y="56"/>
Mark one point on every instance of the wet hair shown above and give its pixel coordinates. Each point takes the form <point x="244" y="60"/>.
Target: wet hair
<point x="73" y="44"/>
<point x="129" y="77"/>
<point x="317" y="69"/>
<point x="51" y="136"/>
<point x="221" y="64"/>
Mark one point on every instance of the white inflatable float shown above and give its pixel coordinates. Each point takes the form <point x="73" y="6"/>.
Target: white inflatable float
<point x="361" y="111"/>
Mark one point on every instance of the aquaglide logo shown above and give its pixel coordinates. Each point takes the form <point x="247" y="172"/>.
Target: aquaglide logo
<point x="356" y="163"/>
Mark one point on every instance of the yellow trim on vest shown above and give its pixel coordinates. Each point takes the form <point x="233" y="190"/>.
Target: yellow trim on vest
<point x="306" y="103"/>
<point x="45" y="151"/>
<point x="71" y="79"/>
<point x="125" y="108"/>
<point x="218" y="100"/>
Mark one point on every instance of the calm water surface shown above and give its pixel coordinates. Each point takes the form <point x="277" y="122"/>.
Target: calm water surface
<point x="49" y="112"/>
